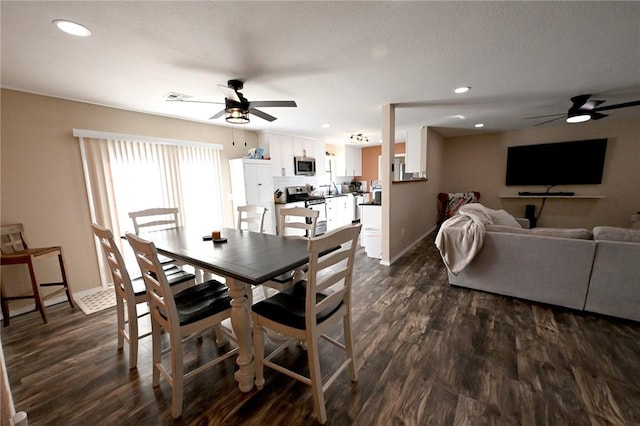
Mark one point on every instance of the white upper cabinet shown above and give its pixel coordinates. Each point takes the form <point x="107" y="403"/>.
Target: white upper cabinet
<point x="416" y="152"/>
<point x="348" y="161"/>
<point x="303" y="147"/>
<point x="282" y="149"/>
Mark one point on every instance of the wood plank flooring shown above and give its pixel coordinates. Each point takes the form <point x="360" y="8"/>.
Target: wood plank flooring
<point x="428" y="354"/>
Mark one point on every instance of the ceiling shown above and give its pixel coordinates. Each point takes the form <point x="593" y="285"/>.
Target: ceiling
<point x="340" y="61"/>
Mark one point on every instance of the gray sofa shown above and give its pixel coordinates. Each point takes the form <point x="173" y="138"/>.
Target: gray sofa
<point x="598" y="272"/>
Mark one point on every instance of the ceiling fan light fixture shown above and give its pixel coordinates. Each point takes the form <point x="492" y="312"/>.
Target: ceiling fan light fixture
<point x="578" y="118"/>
<point x="237" y="115"/>
<point x="72" y="28"/>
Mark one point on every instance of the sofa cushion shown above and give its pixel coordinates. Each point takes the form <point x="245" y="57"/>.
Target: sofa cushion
<point x="611" y="233"/>
<point x="577" y="233"/>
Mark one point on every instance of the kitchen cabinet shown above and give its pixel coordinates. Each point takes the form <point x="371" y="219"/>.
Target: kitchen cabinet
<point x="280" y="149"/>
<point x="283" y="148"/>
<point x="339" y="211"/>
<point x="252" y="183"/>
<point x="303" y="147"/>
<point x="416" y="152"/>
<point x="348" y="161"/>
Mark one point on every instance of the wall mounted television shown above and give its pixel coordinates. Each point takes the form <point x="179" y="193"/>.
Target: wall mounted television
<point x="560" y="163"/>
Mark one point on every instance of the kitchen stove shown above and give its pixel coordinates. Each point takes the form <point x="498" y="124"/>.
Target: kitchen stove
<point x="301" y="193"/>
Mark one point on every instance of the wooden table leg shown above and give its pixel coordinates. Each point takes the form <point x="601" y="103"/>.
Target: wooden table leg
<point x="241" y="323"/>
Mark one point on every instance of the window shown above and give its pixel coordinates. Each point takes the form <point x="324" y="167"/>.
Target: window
<point x="125" y="173"/>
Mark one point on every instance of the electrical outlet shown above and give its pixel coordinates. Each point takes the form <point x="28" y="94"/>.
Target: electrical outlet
<point x="635" y="217"/>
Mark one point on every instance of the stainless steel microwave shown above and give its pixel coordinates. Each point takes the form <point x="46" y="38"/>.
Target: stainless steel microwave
<point x="304" y="166"/>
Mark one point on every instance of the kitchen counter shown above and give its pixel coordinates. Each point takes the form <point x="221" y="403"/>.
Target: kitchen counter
<point x="370" y="204"/>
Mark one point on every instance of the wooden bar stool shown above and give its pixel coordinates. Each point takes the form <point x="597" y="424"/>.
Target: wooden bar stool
<point x="15" y="251"/>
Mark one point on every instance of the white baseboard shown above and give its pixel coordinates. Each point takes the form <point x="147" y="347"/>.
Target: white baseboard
<point x="31" y="307"/>
<point x="410" y="246"/>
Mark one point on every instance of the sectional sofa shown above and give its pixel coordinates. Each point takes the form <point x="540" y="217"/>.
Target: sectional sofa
<point x="595" y="271"/>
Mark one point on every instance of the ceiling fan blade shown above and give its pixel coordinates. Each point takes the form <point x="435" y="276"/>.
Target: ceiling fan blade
<point x="544" y="116"/>
<point x="261" y="114"/>
<point x="623" y="105"/>
<point x="597" y="116"/>
<point x="218" y="114"/>
<point x="230" y="93"/>
<point x="273" y="104"/>
<point x="549" y="121"/>
<point x="196" y="102"/>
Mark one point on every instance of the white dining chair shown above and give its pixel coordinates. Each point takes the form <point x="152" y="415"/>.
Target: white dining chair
<point x="308" y="309"/>
<point x="182" y="317"/>
<point x="154" y="218"/>
<point x="252" y="216"/>
<point x="293" y="219"/>
<point x="130" y="293"/>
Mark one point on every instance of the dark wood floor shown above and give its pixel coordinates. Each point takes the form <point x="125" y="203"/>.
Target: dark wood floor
<point x="428" y="354"/>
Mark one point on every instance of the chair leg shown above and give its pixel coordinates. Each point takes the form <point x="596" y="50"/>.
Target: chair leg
<point x="36" y="291"/>
<point x="316" y="381"/>
<point x="258" y="353"/>
<point x="5" y="306"/>
<point x="177" y="374"/>
<point x="63" y="272"/>
<point x="219" y="335"/>
<point x="348" y="343"/>
<point x="156" y="336"/>
<point x="120" y="321"/>
<point x="133" y="335"/>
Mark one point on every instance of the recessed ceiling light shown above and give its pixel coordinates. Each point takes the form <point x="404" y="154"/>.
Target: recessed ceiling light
<point x="479" y="125"/>
<point x="463" y="89"/>
<point x="326" y="125"/>
<point x="72" y="28"/>
<point x="460" y="116"/>
<point x="578" y="118"/>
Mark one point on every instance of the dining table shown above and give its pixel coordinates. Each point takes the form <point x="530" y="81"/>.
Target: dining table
<point x="243" y="258"/>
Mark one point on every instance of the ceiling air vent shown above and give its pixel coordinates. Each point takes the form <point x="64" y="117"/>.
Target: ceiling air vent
<point x="175" y="96"/>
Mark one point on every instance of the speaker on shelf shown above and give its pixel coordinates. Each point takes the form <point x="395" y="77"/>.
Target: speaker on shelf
<point x="530" y="213"/>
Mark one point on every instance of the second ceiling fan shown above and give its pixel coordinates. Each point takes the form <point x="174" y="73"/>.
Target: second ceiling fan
<point x="584" y="109"/>
<point x="237" y="108"/>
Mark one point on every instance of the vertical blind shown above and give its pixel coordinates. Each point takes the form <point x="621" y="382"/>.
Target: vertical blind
<point x="125" y="174"/>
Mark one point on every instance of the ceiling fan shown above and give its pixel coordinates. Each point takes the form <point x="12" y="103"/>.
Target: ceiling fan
<point x="584" y="109"/>
<point x="237" y="108"/>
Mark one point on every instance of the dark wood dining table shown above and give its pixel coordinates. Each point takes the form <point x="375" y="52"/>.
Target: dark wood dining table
<point x="245" y="259"/>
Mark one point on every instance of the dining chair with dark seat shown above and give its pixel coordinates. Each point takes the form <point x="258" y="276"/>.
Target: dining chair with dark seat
<point x="293" y="219"/>
<point x="182" y="316"/>
<point x="132" y="292"/>
<point x="307" y="310"/>
<point x="16" y="251"/>
<point x="253" y="216"/>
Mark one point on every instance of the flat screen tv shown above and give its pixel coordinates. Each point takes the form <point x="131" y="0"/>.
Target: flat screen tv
<point x="560" y="163"/>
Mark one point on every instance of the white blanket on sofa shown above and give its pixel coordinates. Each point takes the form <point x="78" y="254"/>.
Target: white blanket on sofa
<point x="461" y="237"/>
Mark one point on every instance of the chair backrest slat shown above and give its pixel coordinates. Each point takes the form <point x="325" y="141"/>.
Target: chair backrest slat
<point x="253" y="216"/>
<point x="154" y="217"/>
<point x="330" y="273"/>
<point x="13" y="238"/>
<point x="296" y="218"/>
<point x="161" y="303"/>
<point x="115" y="261"/>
